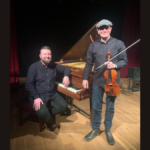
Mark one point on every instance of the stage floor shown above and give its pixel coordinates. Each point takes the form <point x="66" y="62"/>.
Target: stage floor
<point x="125" y="129"/>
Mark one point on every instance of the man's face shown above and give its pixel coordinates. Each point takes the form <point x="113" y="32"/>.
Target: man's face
<point x="104" y="31"/>
<point x="45" y="56"/>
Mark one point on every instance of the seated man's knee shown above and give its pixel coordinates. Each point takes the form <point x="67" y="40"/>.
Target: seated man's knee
<point x="64" y="106"/>
<point x="42" y="113"/>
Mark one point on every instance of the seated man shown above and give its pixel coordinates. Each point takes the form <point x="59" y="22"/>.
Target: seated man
<point x="40" y="84"/>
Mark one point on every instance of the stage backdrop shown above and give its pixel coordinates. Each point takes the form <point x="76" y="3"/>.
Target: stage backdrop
<point x="131" y="33"/>
<point x="62" y="25"/>
<point x="14" y="65"/>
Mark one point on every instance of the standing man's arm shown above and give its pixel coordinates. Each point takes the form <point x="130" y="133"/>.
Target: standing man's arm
<point x="88" y="67"/>
<point x="30" y="87"/>
<point x="122" y="59"/>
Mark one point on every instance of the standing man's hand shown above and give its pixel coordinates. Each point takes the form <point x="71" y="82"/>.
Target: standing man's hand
<point x="110" y="65"/>
<point x="66" y="81"/>
<point x="37" y="103"/>
<point x="85" y="84"/>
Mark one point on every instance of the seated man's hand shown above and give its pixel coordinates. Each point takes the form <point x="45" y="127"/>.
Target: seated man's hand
<point x="66" y="81"/>
<point x="85" y="84"/>
<point x="37" y="103"/>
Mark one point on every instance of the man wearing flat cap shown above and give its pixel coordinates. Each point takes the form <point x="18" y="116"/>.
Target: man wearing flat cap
<point x="97" y="54"/>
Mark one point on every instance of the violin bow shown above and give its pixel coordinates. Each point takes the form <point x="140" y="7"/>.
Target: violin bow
<point x="117" y="55"/>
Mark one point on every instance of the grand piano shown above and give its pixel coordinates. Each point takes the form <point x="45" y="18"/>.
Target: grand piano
<point x="75" y="59"/>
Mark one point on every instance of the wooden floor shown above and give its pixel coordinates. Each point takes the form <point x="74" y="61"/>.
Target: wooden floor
<point x="125" y="129"/>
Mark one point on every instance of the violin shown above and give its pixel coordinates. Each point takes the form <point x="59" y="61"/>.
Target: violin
<point x="111" y="88"/>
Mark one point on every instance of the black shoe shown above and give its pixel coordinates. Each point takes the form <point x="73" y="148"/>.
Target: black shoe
<point x="55" y="128"/>
<point x="90" y="136"/>
<point x="110" y="138"/>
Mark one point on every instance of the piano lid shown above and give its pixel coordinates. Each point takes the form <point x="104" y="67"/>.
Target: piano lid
<point x="79" y="49"/>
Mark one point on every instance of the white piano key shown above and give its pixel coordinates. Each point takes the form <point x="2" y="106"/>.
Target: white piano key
<point x="68" y="88"/>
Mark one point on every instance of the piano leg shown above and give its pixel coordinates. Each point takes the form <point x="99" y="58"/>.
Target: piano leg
<point x="71" y="102"/>
<point x="73" y="110"/>
<point x="70" y="106"/>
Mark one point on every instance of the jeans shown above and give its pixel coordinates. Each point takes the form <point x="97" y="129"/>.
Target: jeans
<point x="97" y="97"/>
<point x="58" y="105"/>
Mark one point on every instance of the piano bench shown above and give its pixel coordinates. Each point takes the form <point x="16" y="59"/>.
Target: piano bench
<point x="24" y="106"/>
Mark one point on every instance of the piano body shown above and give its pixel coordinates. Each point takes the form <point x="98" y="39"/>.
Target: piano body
<point x="76" y="61"/>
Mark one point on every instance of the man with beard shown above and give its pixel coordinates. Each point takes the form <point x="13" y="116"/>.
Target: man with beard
<point x="40" y="83"/>
<point x="97" y="54"/>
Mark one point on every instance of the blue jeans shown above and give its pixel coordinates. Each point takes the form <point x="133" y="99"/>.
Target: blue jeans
<point x="97" y="97"/>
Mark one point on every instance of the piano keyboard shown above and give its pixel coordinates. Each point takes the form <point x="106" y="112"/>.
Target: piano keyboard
<point x="72" y="89"/>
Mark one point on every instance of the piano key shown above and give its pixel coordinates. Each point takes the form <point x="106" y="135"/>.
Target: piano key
<point x="72" y="89"/>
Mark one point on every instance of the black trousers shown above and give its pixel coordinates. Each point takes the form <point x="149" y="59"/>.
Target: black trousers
<point x="58" y="105"/>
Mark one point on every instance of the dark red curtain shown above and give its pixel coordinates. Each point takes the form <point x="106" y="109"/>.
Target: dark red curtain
<point x="14" y="66"/>
<point x="131" y="33"/>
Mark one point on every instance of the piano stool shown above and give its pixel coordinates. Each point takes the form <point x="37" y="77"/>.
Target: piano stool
<point x="24" y="106"/>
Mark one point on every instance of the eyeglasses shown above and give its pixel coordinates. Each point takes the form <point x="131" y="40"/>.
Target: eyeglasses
<point x="103" y="27"/>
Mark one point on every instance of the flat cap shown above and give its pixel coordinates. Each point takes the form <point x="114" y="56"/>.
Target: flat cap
<point x="103" y="22"/>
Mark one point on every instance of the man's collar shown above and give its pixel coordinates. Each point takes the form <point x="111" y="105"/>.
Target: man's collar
<point x="106" y="41"/>
<point x="41" y="63"/>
